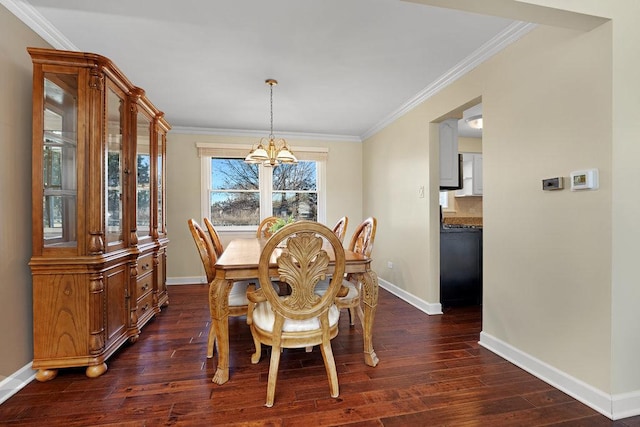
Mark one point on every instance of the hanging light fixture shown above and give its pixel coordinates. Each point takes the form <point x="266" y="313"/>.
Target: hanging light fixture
<point x="275" y="152"/>
<point x="475" y="121"/>
<point x="473" y="116"/>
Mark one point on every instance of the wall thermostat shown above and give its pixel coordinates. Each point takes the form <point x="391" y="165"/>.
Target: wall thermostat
<point x="584" y="180"/>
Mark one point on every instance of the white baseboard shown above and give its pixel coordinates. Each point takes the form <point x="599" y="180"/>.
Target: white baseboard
<point x="614" y="407"/>
<point x="424" y="306"/>
<point x="195" y="280"/>
<point x="625" y="405"/>
<point x="15" y="382"/>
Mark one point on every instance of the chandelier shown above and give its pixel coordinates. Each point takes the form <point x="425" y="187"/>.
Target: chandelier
<point x="275" y="152"/>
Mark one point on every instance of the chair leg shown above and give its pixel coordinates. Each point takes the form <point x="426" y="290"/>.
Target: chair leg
<point x="352" y="316"/>
<point x="211" y="341"/>
<point x="273" y="375"/>
<point x="255" y="357"/>
<point x="330" y="366"/>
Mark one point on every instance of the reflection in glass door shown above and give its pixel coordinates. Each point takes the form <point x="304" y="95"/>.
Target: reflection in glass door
<point x="143" y="177"/>
<point x="59" y="167"/>
<point x="115" y="111"/>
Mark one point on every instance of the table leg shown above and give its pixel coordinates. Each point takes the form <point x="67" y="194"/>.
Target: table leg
<point x="219" y="309"/>
<point x="370" y="303"/>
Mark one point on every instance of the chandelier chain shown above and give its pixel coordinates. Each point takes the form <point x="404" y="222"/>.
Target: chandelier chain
<point x="271" y="109"/>
<point x="275" y="152"/>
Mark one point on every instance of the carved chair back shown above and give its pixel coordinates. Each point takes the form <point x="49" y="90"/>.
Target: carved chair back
<point x="340" y="229"/>
<point x="215" y="238"/>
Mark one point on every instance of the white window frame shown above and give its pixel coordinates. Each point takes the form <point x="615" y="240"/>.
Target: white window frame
<point x="234" y="151"/>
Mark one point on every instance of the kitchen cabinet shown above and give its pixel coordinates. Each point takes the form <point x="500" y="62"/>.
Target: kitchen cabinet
<point x="460" y="266"/>
<point x="99" y="237"/>
<point x="449" y="162"/>
<point x="471" y="175"/>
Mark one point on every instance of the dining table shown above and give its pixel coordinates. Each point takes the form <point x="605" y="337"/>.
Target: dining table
<point x="239" y="261"/>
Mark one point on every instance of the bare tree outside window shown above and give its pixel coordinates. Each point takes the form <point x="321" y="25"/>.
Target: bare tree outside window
<point x="234" y="195"/>
<point x="295" y="191"/>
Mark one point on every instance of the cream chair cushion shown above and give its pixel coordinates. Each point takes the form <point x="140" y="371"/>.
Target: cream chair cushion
<point x="238" y="294"/>
<point x="263" y="318"/>
<point x="323" y="285"/>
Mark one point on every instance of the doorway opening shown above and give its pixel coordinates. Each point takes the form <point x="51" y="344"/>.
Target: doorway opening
<point x="461" y="218"/>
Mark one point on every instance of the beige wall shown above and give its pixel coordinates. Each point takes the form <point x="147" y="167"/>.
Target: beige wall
<point x="469" y="145"/>
<point x="560" y="283"/>
<point x="550" y="280"/>
<point x="344" y="193"/>
<point x="16" y="350"/>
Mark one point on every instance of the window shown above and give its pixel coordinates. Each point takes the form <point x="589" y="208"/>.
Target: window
<point x="444" y="199"/>
<point x="294" y="190"/>
<point x="237" y="195"/>
<point x="233" y="193"/>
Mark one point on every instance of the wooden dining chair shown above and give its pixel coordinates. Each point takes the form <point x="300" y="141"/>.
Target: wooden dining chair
<point x="303" y="318"/>
<point x="340" y="229"/>
<point x="215" y="238"/>
<point x="362" y="243"/>
<point x="238" y="303"/>
<point x="264" y="229"/>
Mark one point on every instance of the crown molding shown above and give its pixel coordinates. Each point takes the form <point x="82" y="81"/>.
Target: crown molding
<point x="24" y="11"/>
<point x="510" y="34"/>
<point x="260" y="134"/>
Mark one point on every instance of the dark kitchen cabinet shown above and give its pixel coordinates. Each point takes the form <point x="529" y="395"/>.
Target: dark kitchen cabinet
<point x="460" y="267"/>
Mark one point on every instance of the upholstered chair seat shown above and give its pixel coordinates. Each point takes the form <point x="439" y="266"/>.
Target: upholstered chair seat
<point x="302" y="319"/>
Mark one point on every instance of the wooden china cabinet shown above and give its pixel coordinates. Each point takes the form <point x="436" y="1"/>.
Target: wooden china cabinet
<point x="99" y="234"/>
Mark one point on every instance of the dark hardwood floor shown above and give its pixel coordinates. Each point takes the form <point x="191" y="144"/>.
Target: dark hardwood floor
<point x="432" y="372"/>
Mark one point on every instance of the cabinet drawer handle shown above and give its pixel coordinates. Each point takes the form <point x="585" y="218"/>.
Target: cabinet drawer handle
<point x="145" y="266"/>
<point x="146" y="306"/>
<point x="144" y="287"/>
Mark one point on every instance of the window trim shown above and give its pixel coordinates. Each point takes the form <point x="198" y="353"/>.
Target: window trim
<point x="208" y="150"/>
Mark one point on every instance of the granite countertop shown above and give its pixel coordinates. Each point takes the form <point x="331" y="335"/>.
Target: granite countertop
<point x="463" y="220"/>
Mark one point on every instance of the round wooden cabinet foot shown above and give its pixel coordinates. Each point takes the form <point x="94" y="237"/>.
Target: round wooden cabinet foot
<point x="133" y="339"/>
<point x="46" y="374"/>
<point x="95" y="371"/>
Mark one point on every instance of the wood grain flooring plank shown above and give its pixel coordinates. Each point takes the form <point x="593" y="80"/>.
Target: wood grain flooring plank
<point x="432" y="372"/>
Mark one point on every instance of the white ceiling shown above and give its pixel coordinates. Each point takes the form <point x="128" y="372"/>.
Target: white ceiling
<point x="345" y="67"/>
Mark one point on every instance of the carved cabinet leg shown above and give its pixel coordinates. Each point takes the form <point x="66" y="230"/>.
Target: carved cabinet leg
<point x="46" y="374"/>
<point x="94" y="371"/>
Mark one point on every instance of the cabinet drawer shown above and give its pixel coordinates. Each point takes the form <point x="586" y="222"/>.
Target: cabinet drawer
<point x="144" y="285"/>
<point x="145" y="304"/>
<point x="145" y="264"/>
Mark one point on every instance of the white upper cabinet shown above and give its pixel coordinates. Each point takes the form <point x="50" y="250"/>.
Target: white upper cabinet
<point x="471" y="175"/>
<point x="449" y="173"/>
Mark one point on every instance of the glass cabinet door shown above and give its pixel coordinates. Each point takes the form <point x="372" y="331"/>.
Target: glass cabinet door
<point x="59" y="166"/>
<point x="115" y="122"/>
<point x="143" y="177"/>
<point x="160" y="182"/>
